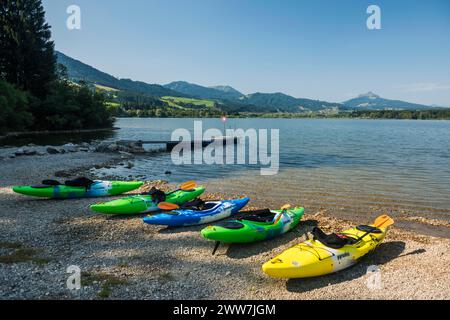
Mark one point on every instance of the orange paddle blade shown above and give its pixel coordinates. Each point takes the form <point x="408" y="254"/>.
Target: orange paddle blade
<point x="167" y="206"/>
<point x="278" y="218"/>
<point x="383" y="221"/>
<point x="286" y="207"/>
<point x="188" y="185"/>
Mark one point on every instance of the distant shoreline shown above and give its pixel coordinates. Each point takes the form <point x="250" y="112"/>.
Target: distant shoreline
<point x="45" y="132"/>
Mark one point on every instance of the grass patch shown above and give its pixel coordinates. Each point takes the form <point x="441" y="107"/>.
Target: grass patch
<point x="105" y="88"/>
<point x="165" y="277"/>
<point x="123" y="264"/>
<point x="21" y="254"/>
<point x="106" y="281"/>
<point x="10" y="245"/>
<point x="179" y="102"/>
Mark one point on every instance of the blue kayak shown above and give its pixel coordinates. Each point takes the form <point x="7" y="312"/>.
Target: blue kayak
<point x="211" y="211"/>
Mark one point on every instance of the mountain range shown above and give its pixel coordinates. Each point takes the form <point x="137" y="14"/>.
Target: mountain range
<point x="371" y="101"/>
<point x="226" y="95"/>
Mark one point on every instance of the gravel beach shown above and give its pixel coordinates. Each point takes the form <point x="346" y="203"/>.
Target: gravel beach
<point x="122" y="258"/>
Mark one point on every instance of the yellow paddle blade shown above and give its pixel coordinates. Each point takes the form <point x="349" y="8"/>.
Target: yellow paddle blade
<point x="383" y="221"/>
<point x="188" y="185"/>
<point x="167" y="206"/>
<point x="286" y="207"/>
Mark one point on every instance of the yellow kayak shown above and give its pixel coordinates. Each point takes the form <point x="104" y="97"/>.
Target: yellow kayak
<point x="327" y="254"/>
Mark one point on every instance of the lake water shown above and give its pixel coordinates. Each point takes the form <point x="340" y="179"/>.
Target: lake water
<point x="348" y="167"/>
<point x="343" y="165"/>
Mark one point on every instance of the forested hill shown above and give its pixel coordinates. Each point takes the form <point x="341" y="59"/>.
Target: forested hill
<point x="79" y="71"/>
<point x="228" y="98"/>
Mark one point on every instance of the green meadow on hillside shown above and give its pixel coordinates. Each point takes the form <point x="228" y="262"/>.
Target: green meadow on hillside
<point x="183" y="102"/>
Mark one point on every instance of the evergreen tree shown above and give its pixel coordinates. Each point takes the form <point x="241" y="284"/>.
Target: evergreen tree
<point x="27" y="57"/>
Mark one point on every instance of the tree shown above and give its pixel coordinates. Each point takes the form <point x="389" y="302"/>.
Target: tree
<point x="14" y="113"/>
<point x="27" y="57"/>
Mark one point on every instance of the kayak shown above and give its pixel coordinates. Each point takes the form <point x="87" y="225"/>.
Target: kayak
<point x="97" y="188"/>
<point x="144" y="203"/>
<point x="255" y="226"/>
<point x="211" y="211"/>
<point x="328" y="254"/>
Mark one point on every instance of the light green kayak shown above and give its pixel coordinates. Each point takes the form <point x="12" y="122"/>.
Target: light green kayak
<point x="254" y="226"/>
<point x="96" y="189"/>
<point x="144" y="203"/>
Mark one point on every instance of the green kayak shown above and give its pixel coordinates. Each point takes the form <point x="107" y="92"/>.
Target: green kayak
<point x="144" y="203"/>
<point x="255" y="226"/>
<point x="93" y="189"/>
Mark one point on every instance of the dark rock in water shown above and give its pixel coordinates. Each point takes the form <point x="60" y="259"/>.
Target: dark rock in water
<point x="25" y="152"/>
<point x="30" y="152"/>
<point x="20" y="152"/>
<point x="103" y="147"/>
<point x="123" y="147"/>
<point x="52" y="150"/>
<point x="113" y="147"/>
<point x="168" y="172"/>
<point x="130" y="165"/>
<point x="70" y="147"/>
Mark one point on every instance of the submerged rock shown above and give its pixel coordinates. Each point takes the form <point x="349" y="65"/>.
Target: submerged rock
<point x="70" y="147"/>
<point x="52" y="150"/>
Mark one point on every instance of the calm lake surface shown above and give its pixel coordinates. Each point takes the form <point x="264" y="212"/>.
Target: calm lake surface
<point x="345" y="165"/>
<point x="348" y="167"/>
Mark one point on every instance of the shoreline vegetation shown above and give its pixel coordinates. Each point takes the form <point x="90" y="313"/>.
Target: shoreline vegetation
<point x="443" y="114"/>
<point x="45" y="132"/>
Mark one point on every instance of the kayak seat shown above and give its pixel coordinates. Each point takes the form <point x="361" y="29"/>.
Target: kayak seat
<point x="334" y="240"/>
<point x="80" y="182"/>
<point x="196" y="204"/>
<point x="233" y="225"/>
<point x="157" y="195"/>
<point x="41" y="186"/>
<point x="259" y="216"/>
<point x="48" y="183"/>
<point x="209" y="205"/>
<point x="369" y="229"/>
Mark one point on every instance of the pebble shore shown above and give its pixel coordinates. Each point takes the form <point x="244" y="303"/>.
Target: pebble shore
<point x="122" y="258"/>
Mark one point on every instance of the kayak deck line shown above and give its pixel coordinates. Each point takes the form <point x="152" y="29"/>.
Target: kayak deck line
<point x="194" y="143"/>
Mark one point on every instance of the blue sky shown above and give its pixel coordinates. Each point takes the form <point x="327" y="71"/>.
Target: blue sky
<point x="312" y="49"/>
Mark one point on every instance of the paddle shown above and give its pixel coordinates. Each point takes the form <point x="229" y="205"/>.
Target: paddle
<point x="187" y="186"/>
<point x="383" y="221"/>
<point x="283" y="210"/>
<point x="166" y="206"/>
